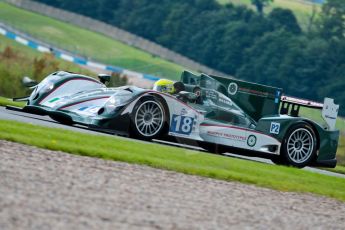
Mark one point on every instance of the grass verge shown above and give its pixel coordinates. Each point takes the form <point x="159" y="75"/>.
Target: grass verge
<point x="338" y="169"/>
<point x="176" y="159"/>
<point x="6" y="101"/>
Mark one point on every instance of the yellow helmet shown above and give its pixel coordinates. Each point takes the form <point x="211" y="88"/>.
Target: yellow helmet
<point x="164" y="86"/>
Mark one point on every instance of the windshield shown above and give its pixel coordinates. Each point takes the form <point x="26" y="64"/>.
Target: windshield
<point x="220" y="107"/>
<point x="208" y="82"/>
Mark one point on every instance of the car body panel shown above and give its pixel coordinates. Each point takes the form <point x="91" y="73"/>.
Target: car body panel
<point x="328" y="140"/>
<point x="238" y="137"/>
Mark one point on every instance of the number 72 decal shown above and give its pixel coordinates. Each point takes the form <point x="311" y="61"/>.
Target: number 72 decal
<point x="181" y="124"/>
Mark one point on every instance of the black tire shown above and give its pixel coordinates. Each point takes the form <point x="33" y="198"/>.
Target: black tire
<point x="149" y="119"/>
<point x="299" y="146"/>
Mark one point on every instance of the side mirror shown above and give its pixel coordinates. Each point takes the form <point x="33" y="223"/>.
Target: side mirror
<point x="104" y="78"/>
<point x="28" y="82"/>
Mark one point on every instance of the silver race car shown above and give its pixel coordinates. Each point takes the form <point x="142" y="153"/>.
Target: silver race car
<point x="216" y="113"/>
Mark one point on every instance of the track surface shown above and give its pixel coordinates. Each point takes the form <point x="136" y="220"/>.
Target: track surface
<point x="46" y="121"/>
<point x="42" y="189"/>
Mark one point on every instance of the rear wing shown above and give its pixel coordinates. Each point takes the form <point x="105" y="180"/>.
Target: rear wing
<point x="291" y="106"/>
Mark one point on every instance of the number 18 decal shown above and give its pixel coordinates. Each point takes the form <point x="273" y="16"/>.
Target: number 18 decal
<point x="181" y="124"/>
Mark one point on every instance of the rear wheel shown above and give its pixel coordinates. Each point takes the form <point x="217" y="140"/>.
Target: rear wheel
<point x="299" y="146"/>
<point x="148" y="118"/>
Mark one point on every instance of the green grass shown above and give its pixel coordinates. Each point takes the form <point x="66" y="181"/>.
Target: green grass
<point x="176" y="159"/>
<point x="6" y="101"/>
<point x="301" y="9"/>
<point x="338" y="169"/>
<point x="87" y="43"/>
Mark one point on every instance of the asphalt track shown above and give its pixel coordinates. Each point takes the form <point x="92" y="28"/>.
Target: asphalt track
<point x="46" y="121"/>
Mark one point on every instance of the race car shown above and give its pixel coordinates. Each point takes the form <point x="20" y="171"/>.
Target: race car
<point x="219" y="114"/>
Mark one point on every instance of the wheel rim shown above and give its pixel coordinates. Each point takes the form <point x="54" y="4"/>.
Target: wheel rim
<point x="300" y="145"/>
<point x="149" y="118"/>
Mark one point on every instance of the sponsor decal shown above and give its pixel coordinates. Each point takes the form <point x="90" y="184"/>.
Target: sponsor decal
<point x="255" y="92"/>
<point x="276" y="100"/>
<point x="211" y="95"/>
<point x="275" y="128"/>
<point x="333" y="118"/>
<point x="232" y="88"/>
<point x="225" y="100"/>
<point x="83" y="108"/>
<point x="301" y="101"/>
<point x="251" y="140"/>
<point x="227" y="136"/>
<point x="89" y="109"/>
<point x="183" y="111"/>
<point x="54" y="99"/>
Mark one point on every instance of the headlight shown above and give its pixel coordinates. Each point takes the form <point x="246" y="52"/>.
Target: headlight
<point x="47" y="87"/>
<point x="116" y="101"/>
<point x="41" y="89"/>
<point x="48" y="82"/>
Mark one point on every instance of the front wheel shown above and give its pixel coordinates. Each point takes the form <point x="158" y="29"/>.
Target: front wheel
<point x="148" y="119"/>
<point x="299" y="145"/>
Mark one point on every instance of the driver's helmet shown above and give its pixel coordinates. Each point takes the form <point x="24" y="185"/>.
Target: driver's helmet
<point x="164" y="86"/>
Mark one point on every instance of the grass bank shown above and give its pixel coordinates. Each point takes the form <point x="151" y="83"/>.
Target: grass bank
<point x="6" y="101"/>
<point x="338" y="169"/>
<point x="176" y="159"/>
<point x="87" y="43"/>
